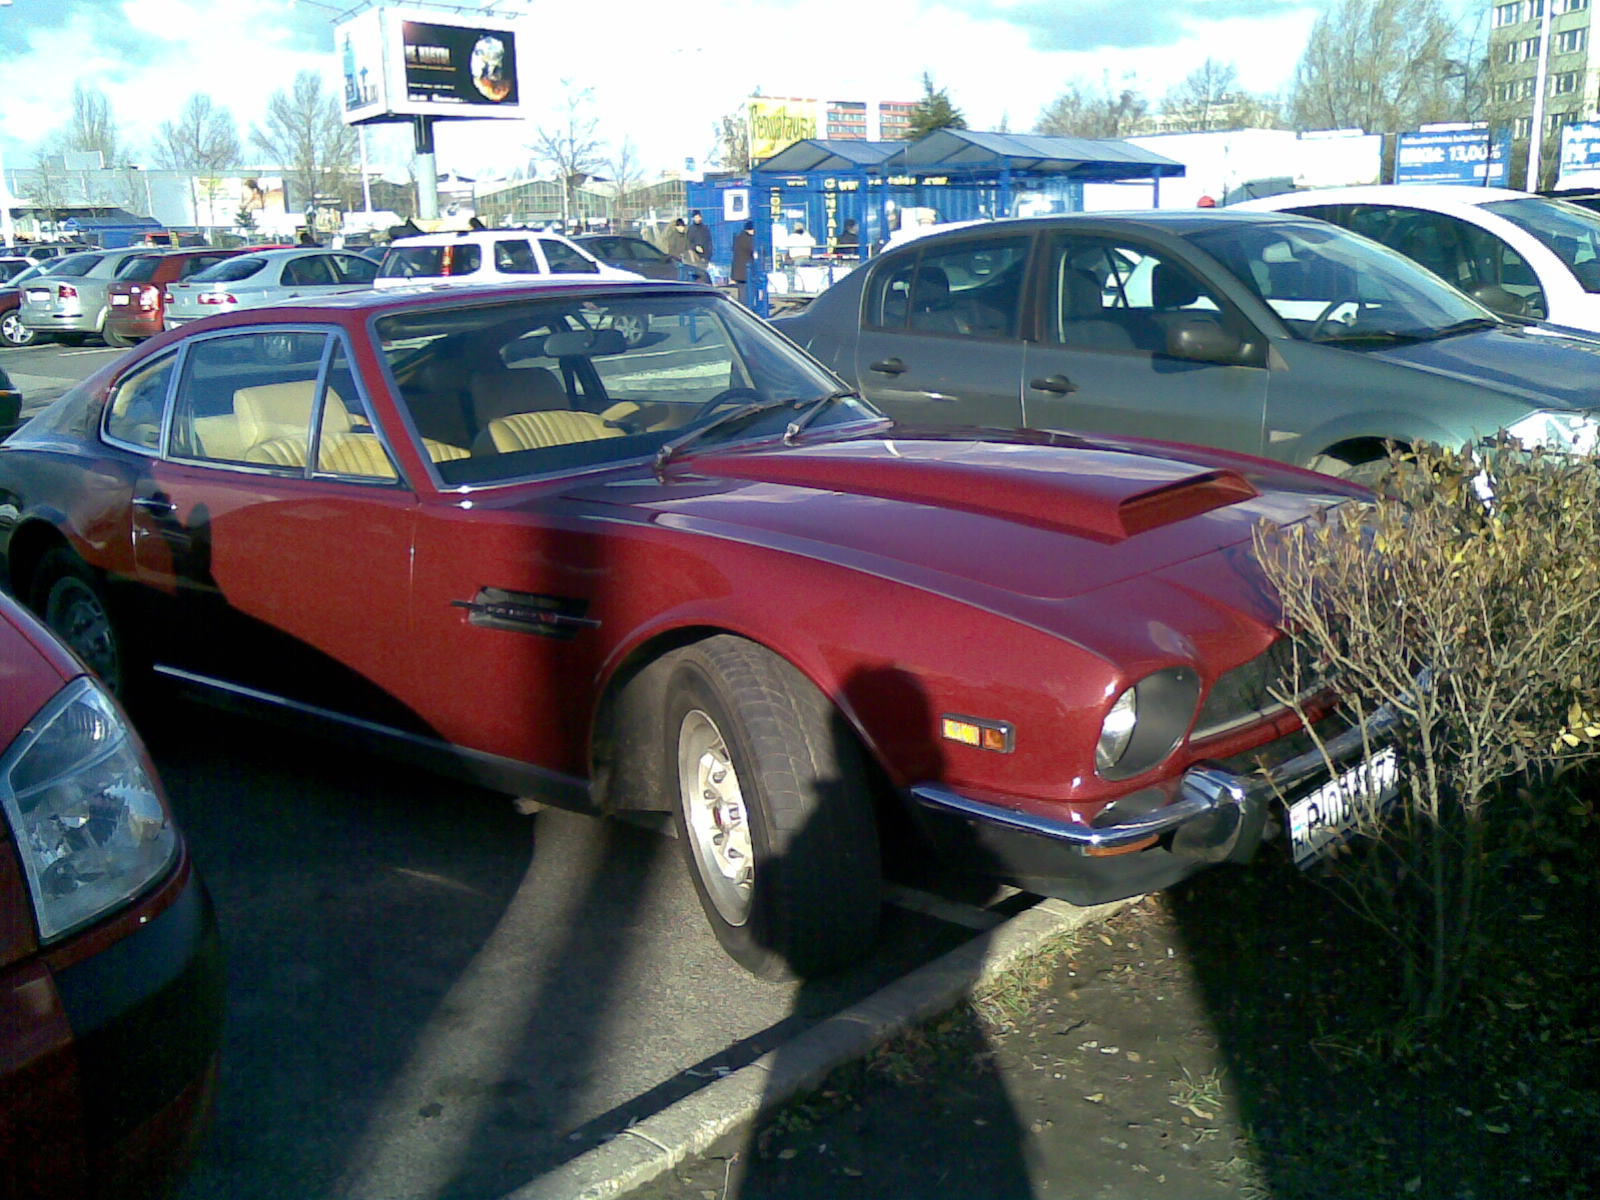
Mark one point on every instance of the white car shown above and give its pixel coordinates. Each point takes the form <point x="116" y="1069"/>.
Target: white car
<point x="1518" y="254"/>
<point x="491" y="256"/>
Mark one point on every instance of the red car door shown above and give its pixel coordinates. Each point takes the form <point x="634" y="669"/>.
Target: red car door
<point x="277" y="530"/>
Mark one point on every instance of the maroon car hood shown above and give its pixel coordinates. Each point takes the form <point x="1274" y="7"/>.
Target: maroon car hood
<point x="33" y="668"/>
<point x="1050" y="522"/>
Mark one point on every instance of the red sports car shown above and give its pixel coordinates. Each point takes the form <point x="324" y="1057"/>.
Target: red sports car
<point x="110" y="976"/>
<point x="680" y="574"/>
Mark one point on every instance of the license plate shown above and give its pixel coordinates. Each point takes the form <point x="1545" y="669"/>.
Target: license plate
<point x="38" y="296"/>
<point x="1326" y="817"/>
<point x="115" y="300"/>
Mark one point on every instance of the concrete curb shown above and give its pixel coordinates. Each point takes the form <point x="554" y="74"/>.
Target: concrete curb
<point x="648" y="1150"/>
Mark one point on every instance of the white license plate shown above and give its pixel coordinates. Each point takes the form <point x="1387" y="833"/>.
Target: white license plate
<point x="1326" y="817"/>
<point x="38" y="296"/>
<point x="115" y="300"/>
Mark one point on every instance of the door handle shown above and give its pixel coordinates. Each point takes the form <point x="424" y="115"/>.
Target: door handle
<point x="888" y="366"/>
<point x="158" y="504"/>
<point x="1059" y="384"/>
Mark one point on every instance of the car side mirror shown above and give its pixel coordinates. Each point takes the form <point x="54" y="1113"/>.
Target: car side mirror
<point x="1200" y="340"/>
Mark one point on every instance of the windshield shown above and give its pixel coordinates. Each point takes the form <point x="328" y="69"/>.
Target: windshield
<point x="1569" y="230"/>
<point x="1330" y="285"/>
<point x="509" y="390"/>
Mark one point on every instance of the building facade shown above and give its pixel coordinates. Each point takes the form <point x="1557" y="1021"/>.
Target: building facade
<point x="1571" y="78"/>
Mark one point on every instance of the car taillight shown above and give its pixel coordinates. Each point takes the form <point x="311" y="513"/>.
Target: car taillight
<point x="149" y="298"/>
<point x="217" y="298"/>
<point x="449" y="260"/>
<point x="66" y="291"/>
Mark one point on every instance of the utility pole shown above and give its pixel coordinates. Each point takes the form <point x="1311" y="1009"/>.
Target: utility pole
<point x="1536" y="131"/>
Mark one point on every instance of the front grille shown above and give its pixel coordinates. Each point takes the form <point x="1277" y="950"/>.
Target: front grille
<point x="1251" y="691"/>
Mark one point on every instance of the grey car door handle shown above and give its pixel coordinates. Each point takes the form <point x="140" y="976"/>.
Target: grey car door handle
<point x="158" y="504"/>
<point x="888" y="366"/>
<point x="1058" y="384"/>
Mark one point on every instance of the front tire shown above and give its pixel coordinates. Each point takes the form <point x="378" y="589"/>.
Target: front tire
<point x="69" y="599"/>
<point x="773" y="811"/>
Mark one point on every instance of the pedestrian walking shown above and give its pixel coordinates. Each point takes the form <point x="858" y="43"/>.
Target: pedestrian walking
<point x="699" y="239"/>
<point x="744" y="252"/>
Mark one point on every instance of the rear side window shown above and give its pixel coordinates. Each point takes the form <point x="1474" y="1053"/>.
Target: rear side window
<point x="352" y="268"/>
<point x="140" y="269"/>
<point x="75" y="267"/>
<point x="565" y="259"/>
<point x="514" y="256"/>
<point x="190" y="267"/>
<point x="230" y="270"/>
<point x="309" y="272"/>
<point x="135" y="411"/>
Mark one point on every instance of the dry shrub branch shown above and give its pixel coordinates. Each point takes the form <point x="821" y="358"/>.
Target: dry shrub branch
<point x="1479" y="574"/>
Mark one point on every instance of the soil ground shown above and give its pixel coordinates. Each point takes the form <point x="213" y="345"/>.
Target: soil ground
<point x="1225" y="1039"/>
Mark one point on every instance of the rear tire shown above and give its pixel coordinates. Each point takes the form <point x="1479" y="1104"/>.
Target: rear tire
<point x="119" y="341"/>
<point x="13" y="332"/>
<point x="70" y="600"/>
<point x="773" y="811"/>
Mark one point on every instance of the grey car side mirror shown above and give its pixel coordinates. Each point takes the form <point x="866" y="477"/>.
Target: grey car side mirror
<point x="1200" y="340"/>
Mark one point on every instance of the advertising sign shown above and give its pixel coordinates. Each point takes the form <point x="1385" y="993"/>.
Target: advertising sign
<point x="1465" y="155"/>
<point x="401" y="63"/>
<point x="776" y="123"/>
<point x="1580" y="156"/>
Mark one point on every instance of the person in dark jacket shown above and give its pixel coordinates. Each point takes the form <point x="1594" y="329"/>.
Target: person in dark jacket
<point x="744" y="251"/>
<point x="699" y="239"/>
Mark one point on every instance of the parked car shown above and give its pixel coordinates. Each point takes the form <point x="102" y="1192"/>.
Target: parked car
<point x="45" y="251"/>
<point x="69" y="300"/>
<point x="1519" y="254"/>
<point x="11" y="267"/>
<point x="637" y="255"/>
<point x="473" y="526"/>
<point x="10" y="404"/>
<point x="110" y="970"/>
<point x="491" y="256"/>
<point x="267" y="277"/>
<point x="138" y="298"/>
<point x="1263" y="333"/>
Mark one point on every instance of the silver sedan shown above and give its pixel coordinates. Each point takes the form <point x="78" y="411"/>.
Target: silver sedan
<point x="257" y="280"/>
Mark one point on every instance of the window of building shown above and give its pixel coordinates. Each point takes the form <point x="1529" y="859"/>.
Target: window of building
<point x="1565" y="83"/>
<point x="1507" y="14"/>
<point x="1570" y="41"/>
<point x="1522" y="127"/>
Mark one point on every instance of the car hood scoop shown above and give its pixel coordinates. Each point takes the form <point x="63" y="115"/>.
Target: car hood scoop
<point x="1097" y="494"/>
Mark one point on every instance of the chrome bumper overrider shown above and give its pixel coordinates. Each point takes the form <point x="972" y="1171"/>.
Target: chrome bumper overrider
<point x="1204" y="793"/>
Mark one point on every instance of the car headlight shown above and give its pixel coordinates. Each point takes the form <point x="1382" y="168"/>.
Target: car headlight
<point x="1146" y="722"/>
<point x="91" y="828"/>
<point x="1570" y="432"/>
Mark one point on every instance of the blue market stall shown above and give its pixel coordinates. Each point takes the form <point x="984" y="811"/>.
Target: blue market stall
<point x="948" y="175"/>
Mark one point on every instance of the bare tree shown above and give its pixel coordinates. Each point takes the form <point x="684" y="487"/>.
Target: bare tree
<point x="1378" y="65"/>
<point x="307" y="134"/>
<point x="47" y="189"/>
<point x="733" y="139"/>
<point x="626" y="175"/>
<point x="202" y="142"/>
<point x="1081" y="111"/>
<point x="571" y="147"/>
<point x="91" y="129"/>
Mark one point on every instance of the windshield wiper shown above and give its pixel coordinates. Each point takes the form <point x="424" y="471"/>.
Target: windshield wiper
<point x="1466" y="326"/>
<point x="749" y="408"/>
<point x="817" y="407"/>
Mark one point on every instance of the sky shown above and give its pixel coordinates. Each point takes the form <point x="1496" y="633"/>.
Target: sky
<point x="658" y="74"/>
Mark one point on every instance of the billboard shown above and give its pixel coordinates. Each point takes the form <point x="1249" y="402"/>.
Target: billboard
<point x="405" y="62"/>
<point x="1461" y="155"/>
<point x="776" y="123"/>
<point x="1580" y="156"/>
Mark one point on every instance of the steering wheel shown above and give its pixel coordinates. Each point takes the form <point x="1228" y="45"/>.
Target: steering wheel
<point x="1326" y="314"/>
<point x="727" y="396"/>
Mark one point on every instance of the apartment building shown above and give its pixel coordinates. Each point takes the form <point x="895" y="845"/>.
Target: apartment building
<point x="1572" y="72"/>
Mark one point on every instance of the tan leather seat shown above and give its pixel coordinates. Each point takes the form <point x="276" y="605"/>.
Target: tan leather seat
<point x="344" y="454"/>
<point x="283" y="410"/>
<point x="501" y="393"/>
<point x="539" y="430"/>
<point x="444" y="451"/>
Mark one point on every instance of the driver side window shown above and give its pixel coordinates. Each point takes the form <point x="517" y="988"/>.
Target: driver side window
<point x="1112" y="297"/>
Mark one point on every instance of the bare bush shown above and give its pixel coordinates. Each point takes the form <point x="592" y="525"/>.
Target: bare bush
<point x="1466" y="598"/>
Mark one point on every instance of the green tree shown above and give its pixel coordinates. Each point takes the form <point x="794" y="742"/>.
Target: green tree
<point x="1379" y="65"/>
<point x="934" y="111"/>
<point x="306" y="133"/>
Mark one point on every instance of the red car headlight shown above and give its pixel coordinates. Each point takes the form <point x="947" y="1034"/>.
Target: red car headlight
<point x="90" y="824"/>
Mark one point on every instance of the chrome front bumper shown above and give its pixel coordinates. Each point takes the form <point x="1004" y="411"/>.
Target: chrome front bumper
<point x="1219" y="814"/>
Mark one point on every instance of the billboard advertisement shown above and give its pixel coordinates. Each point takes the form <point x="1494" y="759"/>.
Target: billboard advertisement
<point x="401" y="63"/>
<point x="1463" y="155"/>
<point x="776" y="123"/>
<point x="1580" y="156"/>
